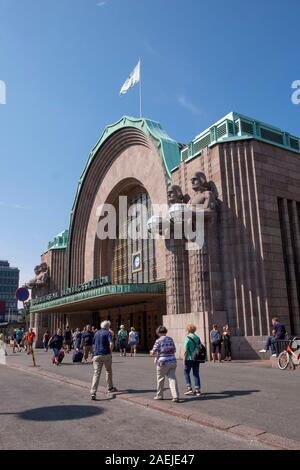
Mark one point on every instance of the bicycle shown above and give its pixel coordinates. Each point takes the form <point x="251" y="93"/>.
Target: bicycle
<point x="288" y="356"/>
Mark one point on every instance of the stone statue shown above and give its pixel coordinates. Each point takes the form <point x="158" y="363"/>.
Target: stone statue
<point x="205" y="192"/>
<point x="39" y="285"/>
<point x="175" y="195"/>
<point x="32" y="283"/>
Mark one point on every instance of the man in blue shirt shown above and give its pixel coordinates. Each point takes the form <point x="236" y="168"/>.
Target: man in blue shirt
<point x="103" y="346"/>
<point x="280" y="333"/>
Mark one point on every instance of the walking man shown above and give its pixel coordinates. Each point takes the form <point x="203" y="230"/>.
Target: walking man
<point x="216" y="343"/>
<point x="103" y="346"/>
<point x="87" y="342"/>
<point x="19" y="338"/>
<point x="122" y="340"/>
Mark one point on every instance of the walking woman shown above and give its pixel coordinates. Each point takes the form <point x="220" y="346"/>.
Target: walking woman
<point x="190" y="342"/>
<point x="227" y="343"/>
<point x="164" y="352"/>
<point x="133" y="338"/>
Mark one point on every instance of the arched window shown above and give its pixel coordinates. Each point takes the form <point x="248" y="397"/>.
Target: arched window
<point x="133" y="261"/>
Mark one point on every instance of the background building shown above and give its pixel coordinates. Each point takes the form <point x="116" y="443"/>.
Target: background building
<point x="248" y="270"/>
<point x="9" y="283"/>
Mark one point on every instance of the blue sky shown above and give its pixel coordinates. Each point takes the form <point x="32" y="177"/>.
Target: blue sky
<point x="64" y="61"/>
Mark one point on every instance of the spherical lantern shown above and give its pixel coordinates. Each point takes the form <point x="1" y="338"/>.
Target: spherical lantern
<point x="154" y="225"/>
<point x="177" y="213"/>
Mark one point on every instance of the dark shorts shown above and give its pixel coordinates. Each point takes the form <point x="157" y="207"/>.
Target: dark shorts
<point x="19" y="340"/>
<point x="216" y="347"/>
<point x="122" y="343"/>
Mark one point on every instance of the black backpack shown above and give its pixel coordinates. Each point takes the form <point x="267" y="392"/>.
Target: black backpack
<point x="199" y="354"/>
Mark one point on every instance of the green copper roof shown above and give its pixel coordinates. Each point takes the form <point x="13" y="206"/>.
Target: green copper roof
<point x="168" y="148"/>
<point x="60" y="241"/>
<point x="110" y="290"/>
<point x="236" y="126"/>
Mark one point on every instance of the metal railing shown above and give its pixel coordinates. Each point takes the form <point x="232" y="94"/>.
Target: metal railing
<point x="282" y="344"/>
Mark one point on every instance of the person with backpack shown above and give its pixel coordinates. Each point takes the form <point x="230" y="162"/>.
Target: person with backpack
<point x="19" y="338"/>
<point x="87" y="338"/>
<point x="122" y="340"/>
<point x="192" y="356"/>
<point x="56" y="343"/>
<point x="216" y="342"/>
<point x="133" y="339"/>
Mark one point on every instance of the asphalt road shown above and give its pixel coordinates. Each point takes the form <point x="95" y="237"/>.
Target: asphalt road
<point x="251" y="393"/>
<point x="37" y="413"/>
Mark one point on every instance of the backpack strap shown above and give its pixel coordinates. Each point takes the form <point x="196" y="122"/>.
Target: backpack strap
<point x="196" y="344"/>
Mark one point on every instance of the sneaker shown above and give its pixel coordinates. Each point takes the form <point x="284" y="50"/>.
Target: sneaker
<point x="93" y="397"/>
<point x="157" y="398"/>
<point x="274" y="355"/>
<point x="198" y="392"/>
<point x="263" y="351"/>
<point x="175" y="400"/>
<point x="113" y="389"/>
<point x="189" y="392"/>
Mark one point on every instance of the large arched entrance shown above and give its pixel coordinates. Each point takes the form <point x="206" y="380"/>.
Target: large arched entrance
<point x="133" y="158"/>
<point x="130" y="260"/>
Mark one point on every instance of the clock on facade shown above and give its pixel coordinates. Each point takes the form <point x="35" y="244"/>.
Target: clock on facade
<point x="136" y="262"/>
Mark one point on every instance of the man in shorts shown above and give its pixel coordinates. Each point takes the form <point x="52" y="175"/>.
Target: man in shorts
<point x="216" y="342"/>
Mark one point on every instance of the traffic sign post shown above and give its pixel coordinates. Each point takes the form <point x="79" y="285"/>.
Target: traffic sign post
<point x="22" y="295"/>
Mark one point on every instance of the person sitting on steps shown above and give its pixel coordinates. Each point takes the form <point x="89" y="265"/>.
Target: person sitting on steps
<point x="280" y="333"/>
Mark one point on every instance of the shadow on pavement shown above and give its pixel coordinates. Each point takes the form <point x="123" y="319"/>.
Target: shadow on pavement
<point x="136" y="391"/>
<point x="58" y="413"/>
<point x="222" y="395"/>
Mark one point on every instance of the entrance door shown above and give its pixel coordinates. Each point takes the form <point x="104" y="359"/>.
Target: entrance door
<point x="144" y="320"/>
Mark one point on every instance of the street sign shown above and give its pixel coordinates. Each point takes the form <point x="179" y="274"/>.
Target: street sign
<point x="22" y="294"/>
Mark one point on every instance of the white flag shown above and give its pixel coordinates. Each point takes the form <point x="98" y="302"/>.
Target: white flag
<point x="132" y="80"/>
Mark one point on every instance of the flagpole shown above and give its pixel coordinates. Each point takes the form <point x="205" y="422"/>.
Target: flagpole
<point x="140" y="89"/>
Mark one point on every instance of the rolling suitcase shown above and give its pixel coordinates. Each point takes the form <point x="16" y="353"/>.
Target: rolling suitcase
<point x="77" y="356"/>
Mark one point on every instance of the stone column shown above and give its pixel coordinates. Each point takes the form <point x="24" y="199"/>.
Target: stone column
<point x="177" y="278"/>
<point x="206" y="282"/>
